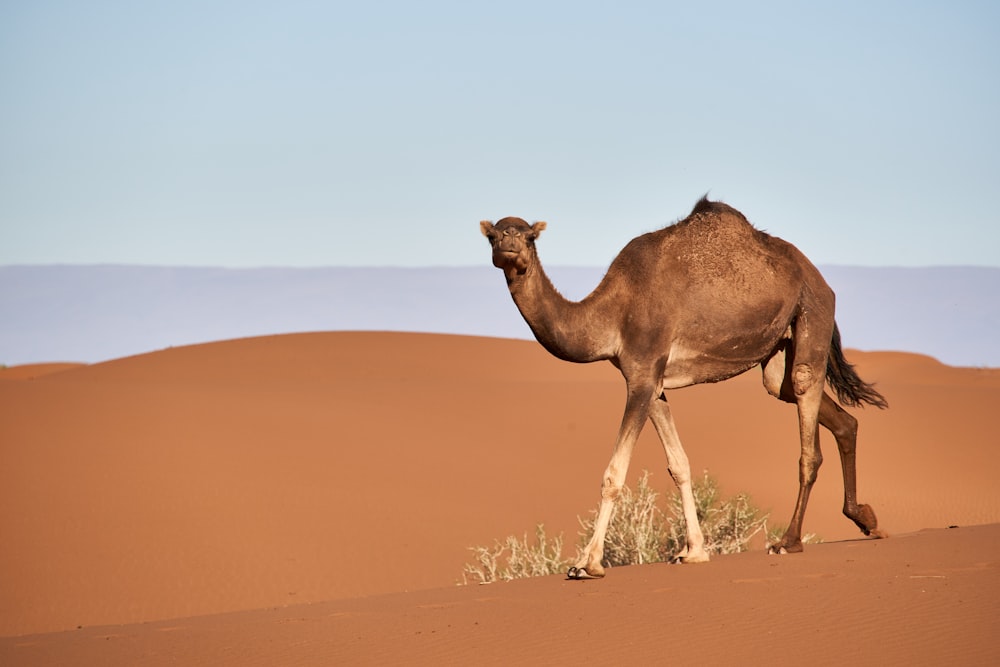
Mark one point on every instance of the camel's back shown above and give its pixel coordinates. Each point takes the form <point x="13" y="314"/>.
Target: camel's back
<point x="715" y="253"/>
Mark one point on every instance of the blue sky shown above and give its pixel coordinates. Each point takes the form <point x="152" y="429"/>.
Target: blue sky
<point x="379" y="133"/>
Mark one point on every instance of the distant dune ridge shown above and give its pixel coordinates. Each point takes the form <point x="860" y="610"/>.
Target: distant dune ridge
<point x="96" y="313"/>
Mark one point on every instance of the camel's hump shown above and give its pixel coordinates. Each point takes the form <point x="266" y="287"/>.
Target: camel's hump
<point x="705" y="206"/>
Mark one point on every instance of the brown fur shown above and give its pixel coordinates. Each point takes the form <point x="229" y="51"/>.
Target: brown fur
<point x="699" y="301"/>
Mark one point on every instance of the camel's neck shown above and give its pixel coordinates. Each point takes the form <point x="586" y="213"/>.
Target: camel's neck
<point x="574" y="331"/>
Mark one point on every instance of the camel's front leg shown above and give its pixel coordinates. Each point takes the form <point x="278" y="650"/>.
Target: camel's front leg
<point x="680" y="470"/>
<point x="589" y="565"/>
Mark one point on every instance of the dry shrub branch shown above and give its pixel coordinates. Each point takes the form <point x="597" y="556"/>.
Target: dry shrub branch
<point x="641" y="531"/>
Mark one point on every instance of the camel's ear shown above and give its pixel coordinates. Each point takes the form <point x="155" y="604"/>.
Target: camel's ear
<point x="486" y="227"/>
<point x="537" y="229"/>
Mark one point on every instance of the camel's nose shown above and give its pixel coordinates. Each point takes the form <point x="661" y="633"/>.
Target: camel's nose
<point x="511" y="231"/>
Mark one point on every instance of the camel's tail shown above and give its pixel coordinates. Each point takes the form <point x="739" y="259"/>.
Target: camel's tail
<point x="851" y="389"/>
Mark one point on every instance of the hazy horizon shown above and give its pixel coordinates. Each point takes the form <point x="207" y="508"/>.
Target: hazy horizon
<point x="91" y="314"/>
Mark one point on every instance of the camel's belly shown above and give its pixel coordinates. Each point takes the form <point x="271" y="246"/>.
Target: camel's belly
<point x="687" y="366"/>
<point x="675" y="378"/>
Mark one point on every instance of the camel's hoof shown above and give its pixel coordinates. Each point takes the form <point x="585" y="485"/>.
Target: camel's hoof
<point x="866" y="520"/>
<point x="782" y="549"/>
<point x="878" y="534"/>
<point x="581" y="573"/>
<point x="681" y="559"/>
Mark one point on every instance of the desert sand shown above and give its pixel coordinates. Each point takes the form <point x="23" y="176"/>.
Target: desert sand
<point x="310" y="498"/>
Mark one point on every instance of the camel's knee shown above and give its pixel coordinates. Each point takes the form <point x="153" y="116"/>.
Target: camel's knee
<point x="809" y="467"/>
<point x="804" y="379"/>
<point x="678" y="467"/>
<point x="680" y="476"/>
<point x="610" y="489"/>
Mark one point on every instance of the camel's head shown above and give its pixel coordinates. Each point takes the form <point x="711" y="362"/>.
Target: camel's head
<point x="513" y="242"/>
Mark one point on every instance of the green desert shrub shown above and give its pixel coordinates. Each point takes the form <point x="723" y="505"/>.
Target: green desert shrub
<point x="641" y="531"/>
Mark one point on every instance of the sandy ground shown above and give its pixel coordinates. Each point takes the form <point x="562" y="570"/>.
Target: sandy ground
<point x="310" y="498"/>
<point x="927" y="598"/>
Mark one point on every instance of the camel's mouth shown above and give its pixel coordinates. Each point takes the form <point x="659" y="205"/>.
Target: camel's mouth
<point x="502" y="254"/>
<point x="503" y="259"/>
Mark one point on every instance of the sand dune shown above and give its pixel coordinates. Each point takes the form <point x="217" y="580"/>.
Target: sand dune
<point x="926" y="598"/>
<point x="315" y="469"/>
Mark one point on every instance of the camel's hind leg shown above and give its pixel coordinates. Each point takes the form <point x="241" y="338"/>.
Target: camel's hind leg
<point x="798" y="379"/>
<point x="845" y="429"/>
<point x="779" y="381"/>
<point x="810" y="460"/>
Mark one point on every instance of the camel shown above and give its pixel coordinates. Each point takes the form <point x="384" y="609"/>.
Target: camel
<point x="702" y="300"/>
